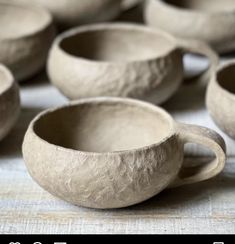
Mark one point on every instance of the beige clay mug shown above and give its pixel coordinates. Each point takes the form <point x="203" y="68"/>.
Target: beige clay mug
<point x="9" y="101"/>
<point x="25" y="37"/>
<point x="114" y="152"/>
<point x="220" y="98"/>
<point x="211" y="21"/>
<point x="121" y="60"/>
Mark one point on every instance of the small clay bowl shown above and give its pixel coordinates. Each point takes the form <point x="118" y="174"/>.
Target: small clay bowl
<point x="70" y="13"/>
<point x="121" y="60"/>
<point x="9" y="101"/>
<point x="211" y="21"/>
<point x="25" y="37"/>
<point x="114" y="152"/>
<point x="221" y="98"/>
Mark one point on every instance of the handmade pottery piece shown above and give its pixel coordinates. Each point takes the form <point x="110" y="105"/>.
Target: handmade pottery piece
<point x="69" y="13"/>
<point x="211" y="21"/>
<point x="114" y="152"/>
<point x="25" y="37"/>
<point x="221" y="98"/>
<point x="124" y="60"/>
<point x="9" y="101"/>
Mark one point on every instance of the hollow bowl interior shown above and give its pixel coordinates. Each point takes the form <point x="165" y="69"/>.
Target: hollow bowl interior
<point x="18" y="21"/>
<point x="204" y="5"/>
<point x="116" y="44"/>
<point x="103" y="127"/>
<point x="226" y="78"/>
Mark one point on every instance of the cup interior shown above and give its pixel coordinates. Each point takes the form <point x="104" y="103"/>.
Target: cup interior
<point x="17" y="21"/>
<point x="226" y="78"/>
<point x="116" y="44"/>
<point x="104" y="126"/>
<point x="5" y="79"/>
<point x="204" y="5"/>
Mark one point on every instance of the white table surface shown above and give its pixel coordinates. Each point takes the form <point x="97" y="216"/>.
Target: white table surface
<point x="207" y="207"/>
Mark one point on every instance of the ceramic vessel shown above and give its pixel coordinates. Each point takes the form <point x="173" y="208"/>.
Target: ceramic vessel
<point x="69" y="13"/>
<point x="9" y="101"/>
<point x="211" y="21"/>
<point x="114" y="152"/>
<point x="25" y="37"/>
<point x="123" y="60"/>
<point x="221" y="98"/>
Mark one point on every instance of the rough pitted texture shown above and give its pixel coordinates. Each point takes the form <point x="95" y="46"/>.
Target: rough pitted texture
<point x="26" y="54"/>
<point x="109" y="177"/>
<point x="153" y="78"/>
<point x="202" y="24"/>
<point x="103" y="181"/>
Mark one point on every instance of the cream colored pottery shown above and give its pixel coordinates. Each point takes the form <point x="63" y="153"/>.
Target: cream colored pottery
<point x="211" y="21"/>
<point x="124" y="60"/>
<point x="25" y="37"/>
<point x="114" y="152"/>
<point x="221" y="98"/>
<point x="69" y="13"/>
<point x="9" y="101"/>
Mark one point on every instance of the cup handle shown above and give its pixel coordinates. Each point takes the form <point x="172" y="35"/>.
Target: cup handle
<point x="201" y="48"/>
<point x="208" y="138"/>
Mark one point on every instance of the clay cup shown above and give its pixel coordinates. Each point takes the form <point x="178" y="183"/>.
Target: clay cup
<point x="121" y="60"/>
<point x="114" y="152"/>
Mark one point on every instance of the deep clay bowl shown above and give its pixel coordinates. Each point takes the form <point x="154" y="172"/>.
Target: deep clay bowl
<point x="25" y="37"/>
<point x="123" y="60"/>
<point x="9" y="101"/>
<point x="211" y="21"/>
<point x="221" y="98"/>
<point x="114" y="152"/>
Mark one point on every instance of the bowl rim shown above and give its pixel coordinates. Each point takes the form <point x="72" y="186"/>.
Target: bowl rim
<point x="33" y="8"/>
<point x="112" y="26"/>
<point x="97" y="100"/>
<point x="222" y="67"/>
<point x="9" y="79"/>
<point x="191" y="11"/>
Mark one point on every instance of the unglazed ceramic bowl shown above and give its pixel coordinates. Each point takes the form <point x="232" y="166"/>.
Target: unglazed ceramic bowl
<point x="221" y="98"/>
<point x="25" y="37"/>
<point x="9" y="101"/>
<point x="211" y="21"/>
<point x="69" y="13"/>
<point x="123" y="60"/>
<point x="114" y="152"/>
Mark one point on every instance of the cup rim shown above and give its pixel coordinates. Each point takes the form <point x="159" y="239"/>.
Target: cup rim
<point x="97" y="100"/>
<point x="189" y="10"/>
<point x="9" y="79"/>
<point x="32" y="8"/>
<point x="111" y="26"/>
<point x="221" y="68"/>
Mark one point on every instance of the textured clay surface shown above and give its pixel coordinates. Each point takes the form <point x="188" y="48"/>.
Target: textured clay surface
<point x="24" y="44"/>
<point x="90" y="154"/>
<point x="210" y="21"/>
